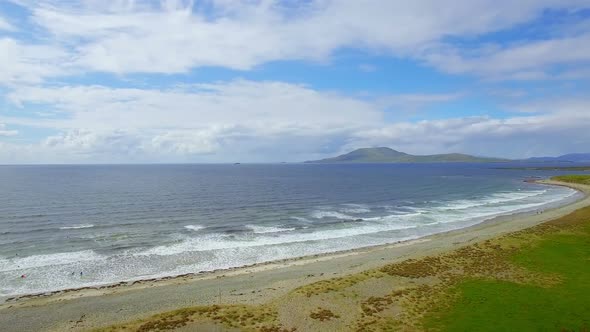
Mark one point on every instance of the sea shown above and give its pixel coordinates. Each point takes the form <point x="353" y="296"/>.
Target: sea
<point x="72" y="226"/>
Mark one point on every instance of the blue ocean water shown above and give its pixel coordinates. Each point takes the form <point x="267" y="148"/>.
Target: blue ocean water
<point x="127" y="222"/>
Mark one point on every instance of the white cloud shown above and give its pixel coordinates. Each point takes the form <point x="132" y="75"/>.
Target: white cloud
<point x="576" y="107"/>
<point x="517" y="137"/>
<point x="526" y="61"/>
<point x="260" y="121"/>
<point x="269" y="106"/>
<point x="94" y="143"/>
<point x="190" y="121"/>
<point x="4" y="25"/>
<point x="25" y="63"/>
<point x="6" y="132"/>
<point x="204" y="119"/>
<point x="558" y="126"/>
<point x="121" y="37"/>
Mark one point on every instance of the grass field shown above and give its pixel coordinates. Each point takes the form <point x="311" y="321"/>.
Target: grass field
<point x="495" y="305"/>
<point x="583" y="179"/>
<point x="548" y="168"/>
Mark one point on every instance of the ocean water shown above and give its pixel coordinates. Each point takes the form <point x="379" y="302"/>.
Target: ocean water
<point x="123" y="223"/>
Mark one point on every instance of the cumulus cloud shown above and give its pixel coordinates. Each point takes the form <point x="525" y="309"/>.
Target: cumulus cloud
<point x="269" y="106"/>
<point x="70" y="41"/>
<point x="121" y="37"/>
<point x="190" y="121"/>
<point x="29" y="63"/>
<point x="204" y="119"/>
<point x="520" y="62"/>
<point x="516" y="137"/>
<point x="554" y="127"/>
<point x="95" y="143"/>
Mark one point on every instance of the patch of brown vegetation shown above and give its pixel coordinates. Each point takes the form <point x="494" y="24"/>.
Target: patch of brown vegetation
<point x="336" y="284"/>
<point x="374" y="304"/>
<point x="276" y="329"/>
<point x="416" y="268"/>
<point x="323" y="314"/>
<point x="167" y="322"/>
<point x="261" y="318"/>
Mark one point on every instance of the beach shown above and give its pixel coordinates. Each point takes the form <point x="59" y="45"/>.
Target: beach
<point x="222" y="217"/>
<point x="83" y="309"/>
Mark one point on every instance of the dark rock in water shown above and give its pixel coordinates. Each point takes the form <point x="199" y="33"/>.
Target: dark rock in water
<point x="351" y="220"/>
<point x="532" y="179"/>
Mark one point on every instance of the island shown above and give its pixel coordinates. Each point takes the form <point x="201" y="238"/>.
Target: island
<point x="388" y="155"/>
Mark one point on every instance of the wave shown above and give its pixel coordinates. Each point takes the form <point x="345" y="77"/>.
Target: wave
<point x="194" y="227"/>
<point x="257" y="229"/>
<point x="206" y="251"/>
<point x="302" y="219"/>
<point x="331" y="214"/>
<point x="497" y="198"/>
<point x="219" y="241"/>
<point x="451" y="213"/>
<point x="77" y="226"/>
<point x="35" y="261"/>
<point x="355" y="208"/>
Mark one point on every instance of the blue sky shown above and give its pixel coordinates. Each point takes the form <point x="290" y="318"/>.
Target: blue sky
<point x="266" y="80"/>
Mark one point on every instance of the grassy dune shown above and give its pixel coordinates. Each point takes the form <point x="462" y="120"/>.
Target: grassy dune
<point x="531" y="280"/>
<point x="582" y="179"/>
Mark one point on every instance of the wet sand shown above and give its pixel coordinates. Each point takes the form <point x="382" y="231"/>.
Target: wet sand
<point x="88" y="308"/>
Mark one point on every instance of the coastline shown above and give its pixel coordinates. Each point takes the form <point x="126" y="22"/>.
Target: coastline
<point x="99" y="306"/>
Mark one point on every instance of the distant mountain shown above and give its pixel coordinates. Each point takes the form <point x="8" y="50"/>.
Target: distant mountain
<point x="571" y="158"/>
<point x="387" y="155"/>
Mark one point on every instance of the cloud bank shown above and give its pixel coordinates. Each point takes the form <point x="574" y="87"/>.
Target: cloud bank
<point x="98" y="81"/>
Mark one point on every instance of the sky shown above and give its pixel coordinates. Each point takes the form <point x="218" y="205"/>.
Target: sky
<point x="125" y="81"/>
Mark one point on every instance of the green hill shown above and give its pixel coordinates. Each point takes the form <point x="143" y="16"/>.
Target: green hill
<point x="387" y="155"/>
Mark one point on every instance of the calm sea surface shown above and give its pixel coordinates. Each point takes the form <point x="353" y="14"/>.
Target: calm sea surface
<point x="117" y="223"/>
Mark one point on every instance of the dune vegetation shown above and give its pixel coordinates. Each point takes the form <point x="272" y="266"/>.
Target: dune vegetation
<point x="582" y="179"/>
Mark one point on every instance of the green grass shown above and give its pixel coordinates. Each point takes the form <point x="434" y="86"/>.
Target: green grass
<point x="583" y="179"/>
<point x="547" y="168"/>
<point x="491" y="305"/>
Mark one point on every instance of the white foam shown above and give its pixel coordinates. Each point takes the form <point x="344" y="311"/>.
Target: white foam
<point x="35" y="261"/>
<point x="300" y="219"/>
<point x="219" y="241"/>
<point x="355" y="208"/>
<point x="477" y="211"/>
<point x="194" y="227"/>
<point x="497" y="198"/>
<point x="77" y="226"/>
<point x="331" y="214"/>
<point x="268" y="229"/>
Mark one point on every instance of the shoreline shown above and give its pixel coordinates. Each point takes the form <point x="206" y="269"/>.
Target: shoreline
<point x="239" y="285"/>
<point x="188" y="277"/>
<point x="10" y="299"/>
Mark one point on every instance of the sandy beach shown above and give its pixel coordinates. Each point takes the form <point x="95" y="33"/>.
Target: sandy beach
<point x="83" y="309"/>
